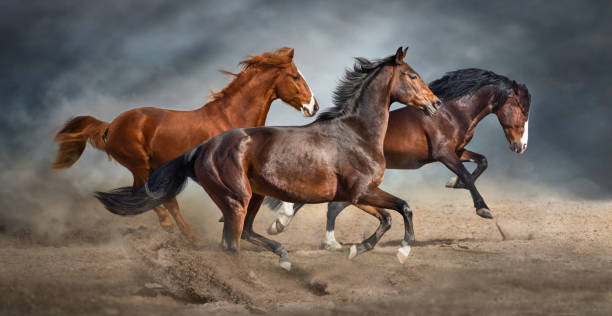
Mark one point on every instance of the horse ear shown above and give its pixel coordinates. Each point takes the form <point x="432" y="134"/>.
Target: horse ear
<point x="399" y="55"/>
<point x="515" y="87"/>
<point x="290" y="53"/>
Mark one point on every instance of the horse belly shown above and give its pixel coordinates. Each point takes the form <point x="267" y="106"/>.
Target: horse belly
<point x="305" y="178"/>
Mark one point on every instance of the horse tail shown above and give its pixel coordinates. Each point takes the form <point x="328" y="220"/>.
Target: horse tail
<point x="163" y="184"/>
<point x="273" y="203"/>
<point x="73" y="137"/>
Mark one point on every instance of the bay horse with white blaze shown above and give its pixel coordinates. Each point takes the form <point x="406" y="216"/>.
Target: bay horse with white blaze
<point x="144" y="139"/>
<point x="339" y="157"/>
<point x="413" y="139"/>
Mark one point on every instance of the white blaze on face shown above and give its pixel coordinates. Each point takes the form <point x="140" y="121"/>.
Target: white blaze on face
<point x="525" y="136"/>
<point x="308" y="109"/>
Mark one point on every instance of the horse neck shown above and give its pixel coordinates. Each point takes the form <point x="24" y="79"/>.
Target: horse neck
<point x="245" y="101"/>
<point x="471" y="110"/>
<point x="371" y="114"/>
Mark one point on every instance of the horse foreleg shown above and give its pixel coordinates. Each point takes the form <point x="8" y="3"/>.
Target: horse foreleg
<point x="385" y="223"/>
<point x="381" y="199"/>
<point x="481" y="166"/>
<point x="255" y="238"/>
<point x="333" y="210"/>
<point x="453" y="163"/>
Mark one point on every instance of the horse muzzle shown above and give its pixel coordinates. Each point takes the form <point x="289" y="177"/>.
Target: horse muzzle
<point x="311" y="108"/>
<point x="432" y="108"/>
<point x="518" y="147"/>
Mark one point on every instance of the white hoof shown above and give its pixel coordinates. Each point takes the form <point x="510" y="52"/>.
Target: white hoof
<point x="352" y="252"/>
<point x="402" y="254"/>
<point x="332" y="246"/>
<point x="451" y="183"/>
<point x="286" y="265"/>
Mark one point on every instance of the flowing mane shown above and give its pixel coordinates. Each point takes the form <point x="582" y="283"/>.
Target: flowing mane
<point x="279" y="58"/>
<point x="350" y="85"/>
<point x="458" y="83"/>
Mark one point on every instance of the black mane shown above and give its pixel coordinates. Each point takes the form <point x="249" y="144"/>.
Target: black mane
<point x="348" y="89"/>
<point x="458" y="83"/>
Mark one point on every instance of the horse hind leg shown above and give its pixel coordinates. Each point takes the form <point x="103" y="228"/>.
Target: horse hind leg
<point x="188" y="234"/>
<point x="140" y="176"/>
<point x="381" y="199"/>
<point x="385" y="223"/>
<point x="164" y="218"/>
<point x="257" y="239"/>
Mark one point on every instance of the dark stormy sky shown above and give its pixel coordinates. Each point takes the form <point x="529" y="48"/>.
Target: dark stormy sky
<point x="65" y="58"/>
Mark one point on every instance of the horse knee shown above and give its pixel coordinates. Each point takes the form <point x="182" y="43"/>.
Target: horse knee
<point x="484" y="163"/>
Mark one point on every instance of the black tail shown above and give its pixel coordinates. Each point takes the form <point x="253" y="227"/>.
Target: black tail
<point x="275" y="204"/>
<point x="163" y="184"/>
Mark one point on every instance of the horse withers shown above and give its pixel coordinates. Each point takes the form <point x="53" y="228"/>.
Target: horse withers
<point x="339" y="157"/>
<point x="413" y="139"/>
<point x="144" y="139"/>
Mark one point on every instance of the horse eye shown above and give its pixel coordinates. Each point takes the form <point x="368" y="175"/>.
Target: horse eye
<point x="413" y="77"/>
<point x="296" y="77"/>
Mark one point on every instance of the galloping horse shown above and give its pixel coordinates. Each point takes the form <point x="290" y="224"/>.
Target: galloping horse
<point x="339" y="157"/>
<point x="144" y="139"/>
<point x="414" y="140"/>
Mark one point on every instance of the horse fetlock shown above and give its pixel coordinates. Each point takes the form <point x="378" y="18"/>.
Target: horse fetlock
<point x="452" y="182"/>
<point x="166" y="223"/>
<point x="275" y="228"/>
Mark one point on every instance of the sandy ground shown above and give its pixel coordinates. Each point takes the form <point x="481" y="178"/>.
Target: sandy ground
<point x="555" y="258"/>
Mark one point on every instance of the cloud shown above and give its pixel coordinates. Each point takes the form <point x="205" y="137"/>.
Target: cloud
<point x="63" y="59"/>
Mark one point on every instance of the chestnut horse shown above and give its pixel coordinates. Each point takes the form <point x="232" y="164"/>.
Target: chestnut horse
<point x="413" y="140"/>
<point x="144" y="139"/>
<point x="339" y="157"/>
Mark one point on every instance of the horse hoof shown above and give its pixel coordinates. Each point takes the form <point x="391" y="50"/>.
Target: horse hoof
<point x="196" y="243"/>
<point x="484" y="213"/>
<point x="402" y="254"/>
<point x="451" y="183"/>
<point x="167" y="228"/>
<point x="285" y="265"/>
<point x="352" y="252"/>
<point x="332" y="246"/>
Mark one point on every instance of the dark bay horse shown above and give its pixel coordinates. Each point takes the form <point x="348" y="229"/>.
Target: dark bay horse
<point x="413" y="139"/>
<point x="339" y="157"/>
<point x="144" y="139"/>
